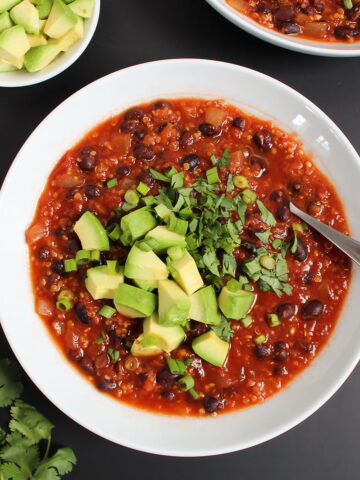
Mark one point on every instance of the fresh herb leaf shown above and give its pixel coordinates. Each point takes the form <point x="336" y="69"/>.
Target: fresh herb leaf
<point x="10" y="386"/>
<point x="230" y="184"/>
<point x="263" y="236"/>
<point x="18" y="450"/>
<point x="294" y="244"/>
<point x="61" y="463"/>
<point x="114" y="355"/>
<point x="223" y="330"/>
<point x="266" y="216"/>
<point x="177" y="180"/>
<point x="158" y="175"/>
<point x="211" y="261"/>
<point x="29" y="422"/>
<point x="225" y="158"/>
<point x="229" y="265"/>
<point x="10" y="471"/>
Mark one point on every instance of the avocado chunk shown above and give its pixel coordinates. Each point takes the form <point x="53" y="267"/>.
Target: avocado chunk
<point x="142" y="265"/>
<point x="161" y="238"/>
<point x="100" y="283"/>
<point x="235" y="304"/>
<point x="148" y="350"/>
<point x="70" y="38"/>
<point x="169" y="337"/>
<point x="36" y="40"/>
<point x="13" y="45"/>
<point x="90" y="231"/>
<point x="134" y="302"/>
<point x="43" y="7"/>
<point x="186" y="273"/>
<point x="61" y="20"/>
<point x="5" y="21"/>
<point x="204" y="307"/>
<point x="6" y="67"/>
<point x="37" y="58"/>
<point x="138" y="223"/>
<point x="26" y="15"/>
<point x="148" y="285"/>
<point x="83" y="8"/>
<point x="211" y="348"/>
<point x="174" y="304"/>
<point x="7" y="4"/>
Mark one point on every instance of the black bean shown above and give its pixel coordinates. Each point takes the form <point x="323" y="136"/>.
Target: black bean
<point x="305" y="346"/>
<point x="249" y="246"/>
<point x="290" y="28"/>
<point x="140" y="133"/>
<point x="279" y="371"/>
<point x="142" y="151"/>
<point x="73" y="246"/>
<point x="285" y="12"/>
<point x="281" y="352"/>
<point x="43" y="253"/>
<point x="167" y="395"/>
<point x="58" y="267"/>
<point x="82" y="313"/>
<point x="208" y="130"/>
<point x="123" y="171"/>
<point x="263" y="8"/>
<point x="87" y="365"/>
<point x="282" y="212"/>
<point x="134" y="114"/>
<point x="239" y="123"/>
<point x="198" y="328"/>
<point x="161" y="127"/>
<point x="301" y="251"/>
<point x="92" y="191"/>
<point x="71" y="192"/>
<point x="112" y="220"/>
<point x="186" y="139"/>
<point x="222" y="220"/>
<point x="312" y="309"/>
<point x="76" y="355"/>
<point x="278" y="196"/>
<point x="106" y="385"/>
<point x="192" y="160"/>
<point x="344" y="33"/>
<point x="319" y="6"/>
<point x="295" y="187"/>
<point x="161" y="104"/>
<point x="353" y="13"/>
<point x="212" y="404"/>
<point x="166" y="378"/>
<point x="87" y="157"/>
<point x="263" y="140"/>
<point x="142" y="377"/>
<point x="285" y="311"/>
<point x="307" y="278"/>
<point x="260" y="165"/>
<point x="262" y="351"/>
<point x="147" y="178"/>
<point x="129" y="126"/>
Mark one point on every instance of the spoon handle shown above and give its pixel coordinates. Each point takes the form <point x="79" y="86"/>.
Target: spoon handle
<point x="347" y="244"/>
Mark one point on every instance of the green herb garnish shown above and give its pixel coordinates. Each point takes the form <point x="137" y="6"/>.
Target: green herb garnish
<point x="266" y="216"/>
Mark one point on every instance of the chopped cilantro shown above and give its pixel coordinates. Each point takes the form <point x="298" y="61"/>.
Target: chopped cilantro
<point x="113" y="354"/>
<point x="229" y="265"/>
<point x="223" y="330"/>
<point x="225" y="158"/>
<point x="263" y="236"/>
<point x="266" y="216"/>
<point x="158" y="175"/>
<point x="10" y="386"/>
<point x="294" y="244"/>
<point x="177" y="180"/>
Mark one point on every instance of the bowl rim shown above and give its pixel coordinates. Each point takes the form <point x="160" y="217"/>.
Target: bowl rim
<point x="242" y="444"/>
<point x="25" y="78"/>
<point x="279" y="39"/>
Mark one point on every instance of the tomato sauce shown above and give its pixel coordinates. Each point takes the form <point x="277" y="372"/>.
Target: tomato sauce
<point x="159" y="136"/>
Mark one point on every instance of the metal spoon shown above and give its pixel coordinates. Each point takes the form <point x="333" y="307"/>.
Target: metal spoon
<point x="347" y="244"/>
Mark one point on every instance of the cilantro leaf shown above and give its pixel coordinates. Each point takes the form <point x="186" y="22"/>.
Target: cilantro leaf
<point x="230" y="184"/>
<point x="223" y="330"/>
<point x="13" y="472"/>
<point x="225" y="158"/>
<point x="10" y="386"/>
<point x="266" y="216"/>
<point x="263" y="236"/>
<point x="177" y="180"/>
<point x="61" y="463"/>
<point x="29" y="422"/>
<point x="19" y="450"/>
<point x="158" y="175"/>
<point x="294" y="244"/>
<point x="229" y="265"/>
<point x="211" y="261"/>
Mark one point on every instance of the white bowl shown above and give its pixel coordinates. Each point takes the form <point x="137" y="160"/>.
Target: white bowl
<point x="26" y="332"/>
<point x="313" y="47"/>
<point x="22" y="78"/>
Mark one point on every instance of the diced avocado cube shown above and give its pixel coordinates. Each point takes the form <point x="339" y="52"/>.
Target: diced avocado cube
<point x="7" y="67"/>
<point x="13" y="45"/>
<point x="164" y="239"/>
<point x="138" y="222"/>
<point x="142" y="265"/>
<point x="138" y="350"/>
<point x="204" y="306"/>
<point x="169" y="337"/>
<point x="26" y="15"/>
<point x="44" y="7"/>
<point x="174" y="304"/>
<point x="235" y="305"/>
<point x="36" y="40"/>
<point x="137" y="302"/>
<point x="61" y="20"/>
<point x="91" y="232"/>
<point x="100" y="283"/>
<point x="70" y="38"/>
<point x="7" y="4"/>
<point x="5" y="21"/>
<point x="37" y="58"/>
<point x="83" y="8"/>
<point x="211" y="348"/>
<point x="186" y="273"/>
<point x="148" y="285"/>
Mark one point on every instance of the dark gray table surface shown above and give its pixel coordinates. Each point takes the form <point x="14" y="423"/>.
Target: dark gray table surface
<point x="325" y="446"/>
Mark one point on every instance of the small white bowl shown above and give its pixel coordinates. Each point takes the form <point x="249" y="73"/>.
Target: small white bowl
<point x="22" y="78"/>
<point x="313" y="47"/>
<point x="26" y="332"/>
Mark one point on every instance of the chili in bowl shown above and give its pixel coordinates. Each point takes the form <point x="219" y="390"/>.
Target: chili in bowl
<point x="167" y="267"/>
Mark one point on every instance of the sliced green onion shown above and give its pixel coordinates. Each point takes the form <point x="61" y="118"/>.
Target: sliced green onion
<point x="247" y="321"/>
<point x="297" y="228"/>
<point x="112" y="266"/>
<point x="348" y="4"/>
<point x="188" y="362"/>
<point x="175" y="253"/>
<point x="114" y="355"/>
<point x="260" y="339"/>
<point x="185" y="383"/>
<point x="83" y="257"/>
<point x="176" y="367"/>
<point x="276" y="243"/>
<point x="149" y="200"/>
<point x="162" y="211"/>
<point x="248" y="196"/>
<point x="131" y="363"/>
<point x="194" y="393"/>
<point x="117" y="211"/>
<point x="63" y="304"/>
<point x="95" y="255"/>
<point x="212" y="175"/>
<point x="267" y="262"/>
<point x="112" y="183"/>
<point x="240" y="181"/>
<point x="107" y="311"/>
<point x="142" y="188"/>
<point x="114" y="232"/>
<point x="273" y="320"/>
<point x="144" y="246"/>
<point x="233" y="285"/>
<point x="126" y="206"/>
<point x="178" y="225"/>
<point x="70" y="265"/>
<point x="132" y="197"/>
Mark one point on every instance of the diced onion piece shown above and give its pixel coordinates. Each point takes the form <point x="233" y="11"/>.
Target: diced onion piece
<point x="316" y="29"/>
<point x="44" y="307"/>
<point x="36" y="232"/>
<point x="69" y="181"/>
<point x="215" y="116"/>
<point x="121" y="143"/>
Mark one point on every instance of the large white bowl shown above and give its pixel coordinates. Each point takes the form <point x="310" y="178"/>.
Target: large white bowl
<point x="63" y="61"/>
<point x="26" y="332"/>
<point x="326" y="49"/>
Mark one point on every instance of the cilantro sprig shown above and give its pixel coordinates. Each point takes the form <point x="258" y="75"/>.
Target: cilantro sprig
<point x="25" y="448"/>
